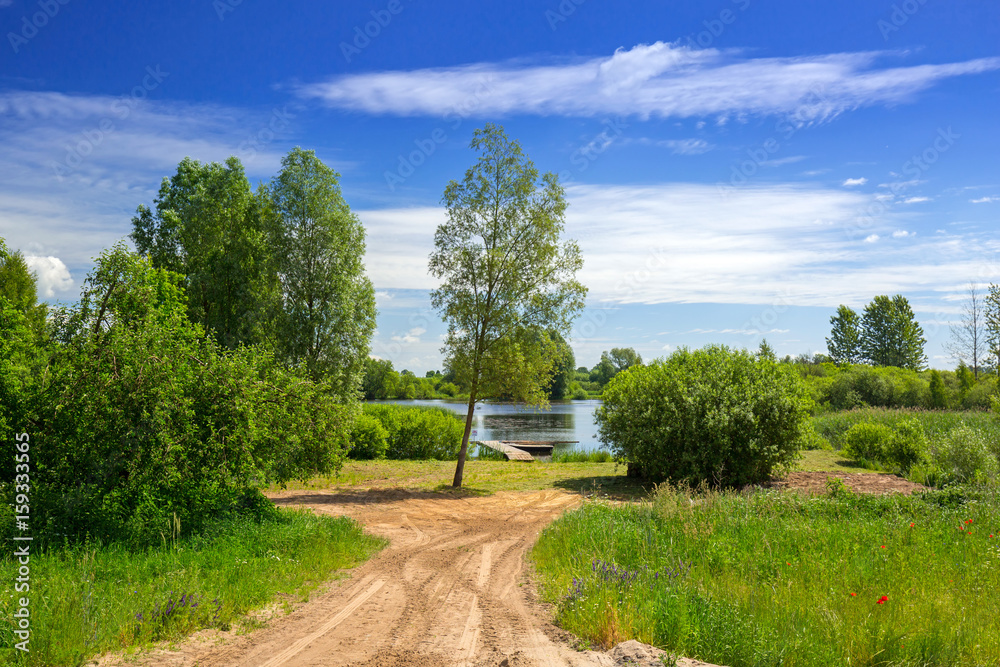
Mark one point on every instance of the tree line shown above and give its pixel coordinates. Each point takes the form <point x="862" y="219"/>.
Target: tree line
<point x="886" y="333"/>
<point x="227" y="353"/>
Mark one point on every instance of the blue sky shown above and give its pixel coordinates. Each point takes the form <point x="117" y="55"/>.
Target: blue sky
<point x="735" y="169"/>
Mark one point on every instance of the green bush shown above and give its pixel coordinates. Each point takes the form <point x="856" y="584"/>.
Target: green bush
<point x="908" y="446"/>
<point x="141" y="420"/>
<point x="867" y="442"/>
<point x="978" y="397"/>
<point x="964" y="456"/>
<point x="714" y="415"/>
<point x="898" y="447"/>
<point x="419" y="432"/>
<point x="368" y="438"/>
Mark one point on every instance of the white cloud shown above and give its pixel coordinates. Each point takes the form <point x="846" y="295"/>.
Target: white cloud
<point x="851" y="182"/>
<point x="52" y="275"/>
<point x="687" y="146"/>
<point x="689" y="243"/>
<point x="871" y="238"/>
<point x="984" y="200"/>
<point x="410" y="337"/>
<point x="659" y="79"/>
<point x="902" y="234"/>
<point x="74" y="167"/>
<point x="915" y="200"/>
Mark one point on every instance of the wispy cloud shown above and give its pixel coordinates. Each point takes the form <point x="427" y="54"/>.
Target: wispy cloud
<point x="915" y="200"/>
<point x="902" y="234"/>
<point x="984" y="200"/>
<point x="683" y="243"/>
<point x="872" y="238"/>
<point x="851" y="182"/>
<point x="686" y="146"/>
<point x="660" y="79"/>
<point x="74" y="167"/>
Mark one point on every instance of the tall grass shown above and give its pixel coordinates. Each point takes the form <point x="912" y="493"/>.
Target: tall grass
<point x="596" y="456"/>
<point x="93" y="598"/>
<point x="764" y="578"/>
<point x="936" y="423"/>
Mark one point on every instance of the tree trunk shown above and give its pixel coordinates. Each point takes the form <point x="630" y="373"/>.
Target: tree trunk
<point x="460" y="468"/>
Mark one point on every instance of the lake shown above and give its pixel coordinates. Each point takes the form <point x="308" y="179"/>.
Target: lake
<point x="570" y="420"/>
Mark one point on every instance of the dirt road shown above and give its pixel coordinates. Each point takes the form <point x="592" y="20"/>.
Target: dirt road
<point x="449" y="591"/>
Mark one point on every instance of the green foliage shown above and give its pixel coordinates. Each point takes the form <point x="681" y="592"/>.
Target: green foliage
<point x="772" y="578"/>
<point x="612" y="363"/>
<point x="327" y="312"/>
<point x="418" y="432"/>
<point x="713" y="415"/>
<point x="964" y="456"/>
<point x="597" y="456"/>
<point x="867" y="443"/>
<point x="369" y="439"/>
<point x="939" y="395"/>
<point x="876" y="445"/>
<point x="907" y="448"/>
<point x="17" y="287"/>
<point x="564" y="370"/>
<point x="890" y="334"/>
<point x="206" y="225"/>
<point x="505" y="274"/>
<point x="850" y="387"/>
<point x="141" y="418"/>
<point x="844" y="343"/>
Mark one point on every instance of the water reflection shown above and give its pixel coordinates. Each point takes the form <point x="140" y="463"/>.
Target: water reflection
<point x="505" y="421"/>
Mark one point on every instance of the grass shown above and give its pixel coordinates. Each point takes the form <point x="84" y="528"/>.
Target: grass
<point x="825" y="460"/>
<point x="766" y="578"/>
<point x="936" y="423"/>
<point x="482" y="477"/>
<point x="93" y="598"/>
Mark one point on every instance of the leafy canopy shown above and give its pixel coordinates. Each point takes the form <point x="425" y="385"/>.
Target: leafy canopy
<point x="506" y="275"/>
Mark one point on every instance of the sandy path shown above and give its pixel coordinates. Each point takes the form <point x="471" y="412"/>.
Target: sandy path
<point x="450" y="591"/>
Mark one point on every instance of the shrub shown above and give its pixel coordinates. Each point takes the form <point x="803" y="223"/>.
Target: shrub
<point x="867" y="443"/>
<point x="908" y="446"/>
<point x="419" y="432"/>
<point x="714" y="415"/>
<point x="368" y="438"/>
<point x="978" y="397"/>
<point x="142" y="420"/>
<point x="963" y="456"/>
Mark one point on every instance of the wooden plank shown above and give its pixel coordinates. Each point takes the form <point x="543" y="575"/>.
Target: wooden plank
<point x="512" y="453"/>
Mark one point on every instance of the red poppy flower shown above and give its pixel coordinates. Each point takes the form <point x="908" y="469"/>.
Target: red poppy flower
<point x="882" y="600"/>
<point x="911" y="525"/>
<point x="883" y="546"/>
<point x="854" y="595"/>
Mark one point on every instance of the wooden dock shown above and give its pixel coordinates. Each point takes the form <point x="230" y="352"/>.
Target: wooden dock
<point x="522" y="450"/>
<point x="512" y="453"/>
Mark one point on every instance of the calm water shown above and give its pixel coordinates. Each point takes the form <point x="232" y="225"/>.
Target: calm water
<point x="506" y="421"/>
